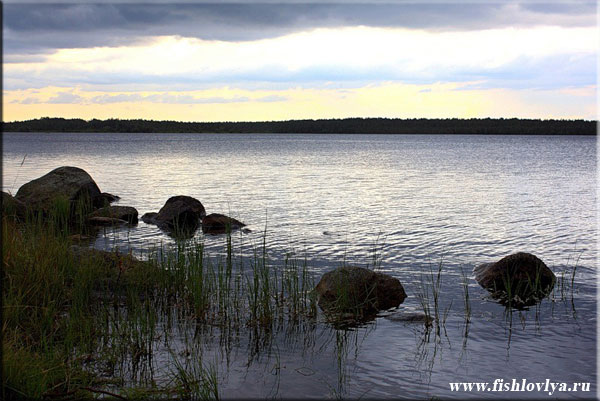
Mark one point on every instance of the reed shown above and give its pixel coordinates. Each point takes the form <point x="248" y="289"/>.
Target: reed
<point x="81" y="314"/>
<point x="466" y="298"/>
<point x="428" y="294"/>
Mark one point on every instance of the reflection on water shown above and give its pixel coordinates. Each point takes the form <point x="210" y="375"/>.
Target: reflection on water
<point x="406" y="204"/>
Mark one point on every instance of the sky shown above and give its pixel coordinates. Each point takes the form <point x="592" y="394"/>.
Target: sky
<point x="246" y="61"/>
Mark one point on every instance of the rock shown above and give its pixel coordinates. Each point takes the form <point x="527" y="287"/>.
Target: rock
<point x="179" y="215"/>
<point x="69" y="183"/>
<point x="216" y="223"/>
<point x="127" y="213"/>
<point x="520" y="279"/>
<point x="415" y="317"/>
<point x="106" y="221"/>
<point x="12" y="206"/>
<point x="109" y="198"/>
<point x="149" y="218"/>
<point x="123" y="261"/>
<point x="360" y="291"/>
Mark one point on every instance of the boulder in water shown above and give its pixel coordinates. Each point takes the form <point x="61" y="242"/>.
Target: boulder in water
<point x="109" y="198"/>
<point x="359" y="291"/>
<point x="216" y="223"/>
<point x="180" y="215"/>
<point x="127" y="213"/>
<point x="70" y="184"/>
<point x="520" y="279"/>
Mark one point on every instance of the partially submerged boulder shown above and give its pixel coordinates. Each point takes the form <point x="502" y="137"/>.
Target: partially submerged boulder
<point x="411" y="317"/>
<point x="216" y="223"/>
<point x="179" y="215"/>
<point x="149" y="218"/>
<point x="127" y="213"/>
<point x="109" y="198"/>
<point x="70" y="184"/>
<point x="520" y="279"/>
<point x="359" y="291"/>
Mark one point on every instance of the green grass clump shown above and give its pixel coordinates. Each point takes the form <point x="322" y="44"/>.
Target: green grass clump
<point x="74" y="316"/>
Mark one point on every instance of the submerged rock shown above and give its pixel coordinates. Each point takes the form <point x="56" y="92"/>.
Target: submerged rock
<point x="216" y="223"/>
<point x="127" y="213"/>
<point x="411" y="317"/>
<point x="71" y="184"/>
<point x="520" y="279"/>
<point x="180" y="215"/>
<point x="361" y="292"/>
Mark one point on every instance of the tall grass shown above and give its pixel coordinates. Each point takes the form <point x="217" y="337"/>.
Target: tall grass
<point x="428" y="294"/>
<point x="81" y="315"/>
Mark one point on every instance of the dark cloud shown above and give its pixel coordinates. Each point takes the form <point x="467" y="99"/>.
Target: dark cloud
<point x="40" y="28"/>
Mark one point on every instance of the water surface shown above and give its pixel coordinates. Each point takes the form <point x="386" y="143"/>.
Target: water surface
<point x="415" y="200"/>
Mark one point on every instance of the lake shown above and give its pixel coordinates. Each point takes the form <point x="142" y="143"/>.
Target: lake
<point x="414" y="202"/>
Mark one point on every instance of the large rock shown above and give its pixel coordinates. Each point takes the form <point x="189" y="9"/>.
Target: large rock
<point x="361" y="292"/>
<point x="68" y="183"/>
<point x="216" y="223"/>
<point x="520" y="279"/>
<point x="12" y="207"/>
<point x="180" y="214"/>
<point x="127" y="213"/>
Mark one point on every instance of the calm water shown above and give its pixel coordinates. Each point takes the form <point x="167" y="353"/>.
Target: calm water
<point x="417" y="200"/>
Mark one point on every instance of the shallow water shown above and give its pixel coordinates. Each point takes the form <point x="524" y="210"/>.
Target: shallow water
<point x="416" y="201"/>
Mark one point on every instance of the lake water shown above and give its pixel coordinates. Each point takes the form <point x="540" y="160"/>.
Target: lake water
<point x="415" y="200"/>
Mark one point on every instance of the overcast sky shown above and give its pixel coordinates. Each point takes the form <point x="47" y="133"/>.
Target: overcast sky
<point x="216" y="62"/>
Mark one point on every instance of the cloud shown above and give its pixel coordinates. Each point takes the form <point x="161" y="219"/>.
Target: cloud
<point x="42" y="28"/>
<point x="65" y="98"/>
<point x="165" y="98"/>
<point x="27" y="100"/>
<point x="517" y="58"/>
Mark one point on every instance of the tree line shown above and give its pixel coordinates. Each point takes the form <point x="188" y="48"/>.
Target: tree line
<point x="495" y="126"/>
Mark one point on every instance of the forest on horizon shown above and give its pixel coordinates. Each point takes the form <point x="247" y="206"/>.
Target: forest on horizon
<point x="482" y="126"/>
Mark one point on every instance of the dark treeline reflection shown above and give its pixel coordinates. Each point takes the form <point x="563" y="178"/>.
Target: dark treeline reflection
<point x="500" y="126"/>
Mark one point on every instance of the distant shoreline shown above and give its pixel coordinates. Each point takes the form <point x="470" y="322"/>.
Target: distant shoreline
<point x="474" y="126"/>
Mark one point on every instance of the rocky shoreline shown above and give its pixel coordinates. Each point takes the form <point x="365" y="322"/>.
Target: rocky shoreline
<point x="518" y="280"/>
<point x="75" y="189"/>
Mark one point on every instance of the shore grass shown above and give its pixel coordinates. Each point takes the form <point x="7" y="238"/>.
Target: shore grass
<point x="74" y="316"/>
